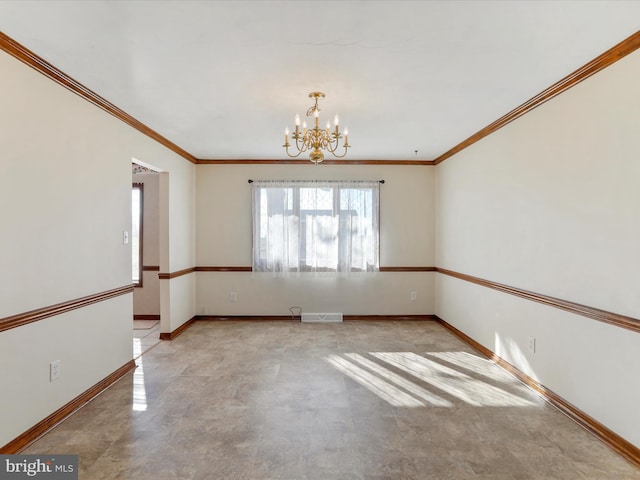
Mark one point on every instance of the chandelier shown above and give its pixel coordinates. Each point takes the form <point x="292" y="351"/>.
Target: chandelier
<point x="316" y="139"/>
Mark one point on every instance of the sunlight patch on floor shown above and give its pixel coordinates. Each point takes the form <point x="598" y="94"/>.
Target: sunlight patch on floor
<point x="452" y="381"/>
<point x="375" y="384"/>
<point x="139" y="390"/>
<point x="406" y="379"/>
<point x="468" y="361"/>
<point x="409" y="386"/>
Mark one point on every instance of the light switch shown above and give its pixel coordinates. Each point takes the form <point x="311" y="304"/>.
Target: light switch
<point x="54" y="370"/>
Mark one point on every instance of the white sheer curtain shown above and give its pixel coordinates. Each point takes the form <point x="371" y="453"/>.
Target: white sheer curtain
<point x="315" y="226"/>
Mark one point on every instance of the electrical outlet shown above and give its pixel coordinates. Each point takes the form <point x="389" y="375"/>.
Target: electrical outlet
<point x="233" y="296"/>
<point x="532" y="344"/>
<point x="413" y="296"/>
<point x="54" y="370"/>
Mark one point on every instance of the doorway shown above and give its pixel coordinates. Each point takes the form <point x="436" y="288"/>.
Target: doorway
<point x="145" y="247"/>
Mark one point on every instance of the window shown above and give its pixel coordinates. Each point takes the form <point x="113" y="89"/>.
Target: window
<point x="136" y="234"/>
<point x="320" y="226"/>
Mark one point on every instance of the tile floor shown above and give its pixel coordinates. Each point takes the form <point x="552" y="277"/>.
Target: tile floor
<point x="358" y="400"/>
<point x="145" y="338"/>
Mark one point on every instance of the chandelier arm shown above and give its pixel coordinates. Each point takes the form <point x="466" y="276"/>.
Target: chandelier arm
<point x="332" y="146"/>
<point x="293" y="156"/>
<point x="340" y="156"/>
<point x="335" y="144"/>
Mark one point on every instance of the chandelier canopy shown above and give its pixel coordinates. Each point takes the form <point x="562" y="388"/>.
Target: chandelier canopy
<point x="316" y="139"/>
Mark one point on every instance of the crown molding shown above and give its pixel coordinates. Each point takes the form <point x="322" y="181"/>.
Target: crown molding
<point x="621" y="50"/>
<point x="258" y="161"/>
<point x="26" y="56"/>
<point x="606" y="59"/>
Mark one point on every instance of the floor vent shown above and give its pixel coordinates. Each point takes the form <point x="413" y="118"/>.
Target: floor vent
<point x="322" y="317"/>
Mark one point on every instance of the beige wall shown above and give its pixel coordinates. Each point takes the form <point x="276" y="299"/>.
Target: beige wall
<point x="224" y="239"/>
<point x="551" y="204"/>
<point x="65" y="200"/>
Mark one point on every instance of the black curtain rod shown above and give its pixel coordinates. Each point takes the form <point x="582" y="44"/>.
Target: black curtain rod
<point x="251" y="181"/>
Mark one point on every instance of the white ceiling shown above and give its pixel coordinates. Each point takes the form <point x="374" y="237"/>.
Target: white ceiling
<point x="221" y="79"/>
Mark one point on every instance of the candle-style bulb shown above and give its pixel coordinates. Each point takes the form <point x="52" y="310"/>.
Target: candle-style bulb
<point x="335" y="120"/>
<point x="297" y="120"/>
